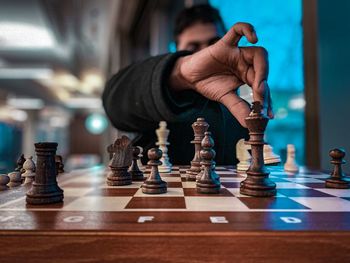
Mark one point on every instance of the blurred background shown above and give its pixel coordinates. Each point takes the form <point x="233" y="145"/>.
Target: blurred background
<point x="55" y="56"/>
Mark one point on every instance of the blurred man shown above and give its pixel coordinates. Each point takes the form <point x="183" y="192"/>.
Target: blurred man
<point x="200" y="80"/>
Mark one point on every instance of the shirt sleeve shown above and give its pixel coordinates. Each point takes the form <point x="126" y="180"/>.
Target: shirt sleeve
<point x="138" y="97"/>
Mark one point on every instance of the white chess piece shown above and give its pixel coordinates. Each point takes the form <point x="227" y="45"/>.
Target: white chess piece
<point x="243" y="156"/>
<point x="269" y="156"/>
<point x="291" y="165"/>
<point x="162" y="134"/>
<point x="29" y="167"/>
<point x="139" y="163"/>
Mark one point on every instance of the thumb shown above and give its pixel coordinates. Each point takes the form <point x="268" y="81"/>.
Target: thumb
<point x="237" y="106"/>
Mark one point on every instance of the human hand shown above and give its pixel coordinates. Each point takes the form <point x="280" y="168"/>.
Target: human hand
<point x="219" y="70"/>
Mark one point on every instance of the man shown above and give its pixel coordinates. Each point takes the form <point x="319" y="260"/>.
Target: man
<point x="183" y="86"/>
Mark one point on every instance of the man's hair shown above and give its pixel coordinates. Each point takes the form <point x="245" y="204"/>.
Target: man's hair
<point x="198" y="13"/>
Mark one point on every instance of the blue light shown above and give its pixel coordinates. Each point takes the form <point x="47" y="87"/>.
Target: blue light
<point x="96" y="123"/>
<point x="279" y="28"/>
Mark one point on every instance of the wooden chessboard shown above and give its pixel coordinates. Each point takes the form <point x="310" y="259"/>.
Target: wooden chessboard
<point x="303" y="211"/>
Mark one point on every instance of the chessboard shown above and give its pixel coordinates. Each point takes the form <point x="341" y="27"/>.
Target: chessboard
<point x="303" y="208"/>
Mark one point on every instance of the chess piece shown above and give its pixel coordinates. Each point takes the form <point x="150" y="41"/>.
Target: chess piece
<point x="337" y="179"/>
<point x="59" y="164"/>
<point x="110" y="150"/>
<point x="45" y="189"/>
<point x="4" y="180"/>
<point x="209" y="183"/>
<point x="162" y="134"/>
<point x="243" y="156"/>
<point x="20" y="162"/>
<point x="291" y="165"/>
<point x="120" y="163"/>
<point x="199" y="128"/>
<point x="15" y="179"/>
<point x="257" y="182"/>
<point x="136" y="173"/>
<point x="154" y="183"/>
<point x="270" y="158"/>
<point x="139" y="163"/>
<point x="29" y="168"/>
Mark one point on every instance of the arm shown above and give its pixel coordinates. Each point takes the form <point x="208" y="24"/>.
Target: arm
<point x="138" y="97"/>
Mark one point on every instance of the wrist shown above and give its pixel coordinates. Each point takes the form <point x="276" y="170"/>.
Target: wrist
<point x="177" y="81"/>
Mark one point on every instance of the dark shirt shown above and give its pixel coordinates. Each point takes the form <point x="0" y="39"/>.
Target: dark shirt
<point x="137" y="98"/>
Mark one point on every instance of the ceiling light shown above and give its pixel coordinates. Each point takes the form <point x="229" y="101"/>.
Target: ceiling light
<point x="83" y="103"/>
<point x="25" y="73"/>
<point x="25" y="103"/>
<point x="22" y="36"/>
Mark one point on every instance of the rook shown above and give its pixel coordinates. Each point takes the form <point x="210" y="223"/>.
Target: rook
<point x="45" y="189"/>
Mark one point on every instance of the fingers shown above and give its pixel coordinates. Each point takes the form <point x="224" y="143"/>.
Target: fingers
<point x="237" y="106"/>
<point x="257" y="57"/>
<point x="238" y="30"/>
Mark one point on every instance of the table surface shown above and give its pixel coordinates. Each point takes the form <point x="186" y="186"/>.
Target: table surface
<point x="302" y="210"/>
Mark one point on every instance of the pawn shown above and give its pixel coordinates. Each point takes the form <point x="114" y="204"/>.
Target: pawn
<point x="337" y="178"/>
<point x="291" y="165"/>
<point x="20" y="162"/>
<point x="4" y="180"/>
<point x="209" y="183"/>
<point x="15" y="179"/>
<point x="136" y="173"/>
<point x="154" y="183"/>
<point x="29" y="168"/>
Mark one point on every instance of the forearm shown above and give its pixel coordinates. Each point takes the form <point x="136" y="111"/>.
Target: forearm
<point x="138" y="97"/>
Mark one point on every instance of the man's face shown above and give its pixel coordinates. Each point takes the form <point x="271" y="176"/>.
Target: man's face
<point x="198" y="36"/>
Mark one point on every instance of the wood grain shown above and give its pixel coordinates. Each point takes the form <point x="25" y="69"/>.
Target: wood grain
<point x="175" y="247"/>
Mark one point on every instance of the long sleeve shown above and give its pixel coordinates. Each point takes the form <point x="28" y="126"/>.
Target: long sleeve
<point x="137" y="97"/>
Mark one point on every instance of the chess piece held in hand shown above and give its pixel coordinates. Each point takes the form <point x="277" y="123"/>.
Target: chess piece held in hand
<point x="154" y="183"/>
<point x="257" y="182"/>
<point x="337" y="179"/>
<point x="209" y="182"/>
<point x="121" y="160"/>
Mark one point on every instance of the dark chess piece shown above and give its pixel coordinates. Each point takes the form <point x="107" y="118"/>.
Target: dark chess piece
<point x="120" y="163"/>
<point x="337" y="179"/>
<point x="110" y="150"/>
<point x="20" y="162"/>
<point x="59" y="164"/>
<point x="209" y="183"/>
<point x="154" y="183"/>
<point x="257" y="182"/>
<point x="4" y="180"/>
<point x="136" y="173"/>
<point x="45" y="189"/>
<point x="15" y="179"/>
<point x="199" y="128"/>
